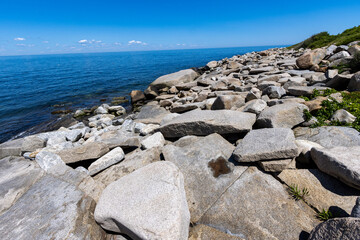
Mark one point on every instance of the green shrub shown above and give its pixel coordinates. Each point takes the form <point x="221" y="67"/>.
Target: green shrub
<point x="298" y="194"/>
<point x="324" y="215"/>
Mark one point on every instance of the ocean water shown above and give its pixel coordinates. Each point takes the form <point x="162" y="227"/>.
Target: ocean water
<point x="30" y="86"/>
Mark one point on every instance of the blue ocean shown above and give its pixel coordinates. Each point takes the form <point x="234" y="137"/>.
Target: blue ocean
<point x="31" y="87"/>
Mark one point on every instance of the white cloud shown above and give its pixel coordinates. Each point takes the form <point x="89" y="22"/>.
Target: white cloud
<point x="117" y="43"/>
<point x="21" y="44"/>
<point x="181" y="44"/>
<point x="134" y="42"/>
<point x="83" y="41"/>
<point x="19" y="39"/>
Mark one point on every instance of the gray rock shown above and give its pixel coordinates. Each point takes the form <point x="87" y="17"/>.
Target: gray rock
<point x="11" y="148"/>
<point x="255" y="106"/>
<point x="277" y="165"/>
<point x="17" y="176"/>
<point x="339" y="82"/>
<point x="339" y="55"/>
<point x="325" y="192"/>
<point x="228" y="102"/>
<point x="198" y="122"/>
<point x="149" y="203"/>
<point x="261" y="70"/>
<point x="173" y="79"/>
<point x="353" y="50"/>
<point x="212" y="64"/>
<point x="237" y="211"/>
<point x="339" y="162"/>
<point x="84" y="152"/>
<point x="120" y="138"/>
<point x="329" y="137"/>
<point x="151" y="114"/>
<point x="274" y="91"/>
<point x="51" y="209"/>
<point x="354" y="84"/>
<point x="285" y="115"/>
<point x="154" y="141"/>
<point x="202" y="232"/>
<point x="304" y="90"/>
<point x="103" y="109"/>
<point x="133" y="161"/>
<point x="110" y="158"/>
<point x="337" y="228"/>
<point x="355" y="212"/>
<point x="32" y="143"/>
<point x="207" y="171"/>
<point x="187" y="107"/>
<point x="47" y="160"/>
<point x="343" y="116"/>
<point x="266" y="144"/>
<point x="304" y="147"/>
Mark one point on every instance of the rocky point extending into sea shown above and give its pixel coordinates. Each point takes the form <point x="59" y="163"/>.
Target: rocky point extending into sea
<point x="225" y="151"/>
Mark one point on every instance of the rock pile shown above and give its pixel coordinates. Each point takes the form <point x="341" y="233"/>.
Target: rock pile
<point x="211" y="154"/>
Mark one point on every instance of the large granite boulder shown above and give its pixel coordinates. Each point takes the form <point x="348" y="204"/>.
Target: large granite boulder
<point x="354" y="84"/>
<point x="51" y="209"/>
<point x="204" y="163"/>
<point x="176" y="78"/>
<point x="202" y="123"/>
<point x="228" y="102"/>
<point x="329" y="136"/>
<point x="325" y="192"/>
<point x="120" y="138"/>
<point x="133" y="161"/>
<point x="87" y="151"/>
<point x="337" y="228"/>
<point x="310" y="59"/>
<point x="257" y="206"/>
<point x="340" y="162"/>
<point x="266" y="144"/>
<point x="285" y="115"/>
<point x="11" y="148"/>
<point x="151" y="114"/>
<point x="304" y="90"/>
<point x="149" y="203"/>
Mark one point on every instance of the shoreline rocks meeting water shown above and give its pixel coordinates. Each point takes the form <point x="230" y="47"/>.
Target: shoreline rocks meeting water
<point x="225" y="151"/>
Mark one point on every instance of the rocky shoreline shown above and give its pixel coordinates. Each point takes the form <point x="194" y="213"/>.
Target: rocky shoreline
<point x="232" y="150"/>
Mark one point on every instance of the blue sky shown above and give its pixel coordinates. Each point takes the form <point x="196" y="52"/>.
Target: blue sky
<point x="45" y="27"/>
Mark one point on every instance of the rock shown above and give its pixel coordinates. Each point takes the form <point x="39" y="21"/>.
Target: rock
<point x="103" y="109"/>
<point x="203" y="232"/>
<point x="111" y="158"/>
<point x="310" y="59"/>
<point x="149" y="203"/>
<point x="120" y="138"/>
<point x="17" y="176"/>
<point x="133" y="161"/>
<point x="261" y="70"/>
<point x="205" y="122"/>
<point x="280" y="217"/>
<point x="148" y="129"/>
<point x="136" y="96"/>
<point x="354" y="84"/>
<point x="151" y="114"/>
<point x="353" y="50"/>
<point x="304" y="90"/>
<point x="173" y="79"/>
<point x="187" y="107"/>
<point x="304" y="147"/>
<point x="85" y="152"/>
<point x="282" y="116"/>
<point x="32" y="143"/>
<point x="276" y="165"/>
<point x="266" y="144"/>
<point x="330" y="50"/>
<point x="74" y="135"/>
<point x="207" y="171"/>
<point x="325" y="192"/>
<point x="355" y="212"/>
<point x="48" y="160"/>
<point x="212" y="64"/>
<point x="339" y="82"/>
<point x="329" y="137"/>
<point x="339" y="55"/>
<point x="118" y="110"/>
<point x="339" y="162"/>
<point x="254" y="93"/>
<point x="331" y="73"/>
<point x="337" y="228"/>
<point x="255" y="106"/>
<point x="315" y="104"/>
<point x="153" y="141"/>
<point x="51" y="209"/>
<point x="11" y="148"/>
<point x="343" y="117"/>
<point x="228" y="102"/>
<point x="274" y="92"/>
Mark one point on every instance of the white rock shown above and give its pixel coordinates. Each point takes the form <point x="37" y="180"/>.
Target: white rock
<point x="114" y="156"/>
<point x="47" y="160"/>
<point x="155" y="140"/>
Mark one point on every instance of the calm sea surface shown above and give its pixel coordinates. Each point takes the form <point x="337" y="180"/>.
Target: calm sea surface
<point x="30" y="86"/>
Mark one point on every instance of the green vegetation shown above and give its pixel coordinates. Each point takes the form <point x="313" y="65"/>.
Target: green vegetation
<point x="351" y="103"/>
<point x="324" y="39"/>
<point x="324" y="215"/>
<point x="298" y="194"/>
